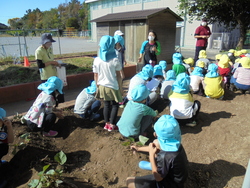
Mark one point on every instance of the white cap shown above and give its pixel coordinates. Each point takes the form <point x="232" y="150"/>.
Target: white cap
<point x="119" y="32"/>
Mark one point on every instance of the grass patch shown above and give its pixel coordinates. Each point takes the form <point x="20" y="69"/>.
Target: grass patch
<point x="11" y="74"/>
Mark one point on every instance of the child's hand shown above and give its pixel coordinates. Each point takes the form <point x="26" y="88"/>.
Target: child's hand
<point x="152" y="149"/>
<point x="134" y="148"/>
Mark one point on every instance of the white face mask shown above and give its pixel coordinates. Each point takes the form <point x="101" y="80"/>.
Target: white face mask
<point x="151" y="38"/>
<point x="203" y="23"/>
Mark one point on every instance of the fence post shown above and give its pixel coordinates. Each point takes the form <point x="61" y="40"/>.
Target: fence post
<point x="19" y="42"/>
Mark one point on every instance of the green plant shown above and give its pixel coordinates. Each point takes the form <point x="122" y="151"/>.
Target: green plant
<point x="51" y="178"/>
<point x="26" y="138"/>
<point x="142" y="141"/>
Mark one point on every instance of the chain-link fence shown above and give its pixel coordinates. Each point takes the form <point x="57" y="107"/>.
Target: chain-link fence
<point x="19" y="43"/>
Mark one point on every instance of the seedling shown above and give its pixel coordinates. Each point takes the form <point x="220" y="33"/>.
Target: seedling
<point x="51" y="178"/>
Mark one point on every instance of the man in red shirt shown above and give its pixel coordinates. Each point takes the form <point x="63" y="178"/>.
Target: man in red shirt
<point x="202" y="33"/>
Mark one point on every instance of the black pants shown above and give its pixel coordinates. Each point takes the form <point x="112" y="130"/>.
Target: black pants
<point x="48" y="123"/>
<point x="110" y="111"/>
<point x="4" y="149"/>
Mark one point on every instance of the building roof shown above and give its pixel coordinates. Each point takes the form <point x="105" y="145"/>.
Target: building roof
<point x="135" y="15"/>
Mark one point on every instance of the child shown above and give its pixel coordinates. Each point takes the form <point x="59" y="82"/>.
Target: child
<point x="225" y="70"/>
<point x="197" y="81"/>
<point x="142" y="77"/>
<point x="203" y="57"/>
<point x="167" y="84"/>
<point x="163" y="65"/>
<point x="217" y="58"/>
<point x="231" y="55"/>
<point x="107" y="75"/>
<point x="189" y="63"/>
<point x="213" y="82"/>
<point x="168" y="159"/>
<point x="178" y="66"/>
<point x="155" y="84"/>
<point x="43" y="112"/>
<point x="6" y="134"/>
<point x="136" y="117"/>
<point x="120" y="47"/>
<point x="241" y="77"/>
<point x="183" y="107"/>
<point x="86" y="104"/>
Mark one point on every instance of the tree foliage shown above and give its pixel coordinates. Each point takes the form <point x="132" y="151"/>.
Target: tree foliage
<point x="72" y="13"/>
<point x="230" y="13"/>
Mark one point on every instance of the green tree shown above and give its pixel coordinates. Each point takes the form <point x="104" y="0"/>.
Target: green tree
<point x="51" y="19"/>
<point x="15" y="23"/>
<point x="230" y="13"/>
<point x="72" y="22"/>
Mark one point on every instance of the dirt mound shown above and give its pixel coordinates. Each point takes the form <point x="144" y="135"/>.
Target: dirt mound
<point x="217" y="149"/>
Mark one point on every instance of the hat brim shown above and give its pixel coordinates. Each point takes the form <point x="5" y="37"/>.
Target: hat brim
<point x="47" y="40"/>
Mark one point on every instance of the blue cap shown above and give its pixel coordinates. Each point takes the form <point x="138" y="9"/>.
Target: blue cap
<point x="168" y="133"/>
<point x="198" y="71"/>
<point x="91" y="89"/>
<point x="2" y="113"/>
<point x="52" y="84"/>
<point x="181" y="85"/>
<point x="163" y="64"/>
<point x="171" y="75"/>
<point x="146" y="72"/>
<point x="107" y="48"/>
<point x="140" y="92"/>
<point x="119" y="39"/>
<point x="212" y="71"/>
<point x="158" y="70"/>
<point x="177" y="58"/>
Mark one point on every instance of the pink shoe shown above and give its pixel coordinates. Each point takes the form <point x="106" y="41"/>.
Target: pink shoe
<point x="107" y="126"/>
<point x="50" y="133"/>
<point x="113" y="128"/>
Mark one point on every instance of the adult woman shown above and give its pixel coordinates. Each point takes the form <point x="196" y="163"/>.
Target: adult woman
<point x="150" y="48"/>
<point x="45" y="58"/>
<point x="107" y="75"/>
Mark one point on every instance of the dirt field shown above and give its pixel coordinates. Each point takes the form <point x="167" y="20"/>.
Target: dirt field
<point x="217" y="149"/>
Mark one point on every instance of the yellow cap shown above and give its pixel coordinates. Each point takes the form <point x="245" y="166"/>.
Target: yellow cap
<point x="237" y="53"/>
<point x="224" y="61"/>
<point x="202" y="54"/>
<point x="201" y="64"/>
<point x="245" y="62"/>
<point x="218" y="56"/>
<point x="189" y="61"/>
<point x="244" y="51"/>
<point x="231" y="51"/>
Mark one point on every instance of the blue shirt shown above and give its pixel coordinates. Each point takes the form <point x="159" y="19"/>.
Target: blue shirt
<point x="130" y="121"/>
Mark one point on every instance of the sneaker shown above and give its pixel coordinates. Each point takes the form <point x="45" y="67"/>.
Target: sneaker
<point x="50" y="133"/>
<point x="112" y="128"/>
<point x="191" y="124"/>
<point x="106" y="127"/>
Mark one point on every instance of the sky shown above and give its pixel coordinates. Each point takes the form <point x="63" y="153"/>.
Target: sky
<point x="17" y="8"/>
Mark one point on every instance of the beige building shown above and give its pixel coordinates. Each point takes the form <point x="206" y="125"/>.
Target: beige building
<point x="220" y="39"/>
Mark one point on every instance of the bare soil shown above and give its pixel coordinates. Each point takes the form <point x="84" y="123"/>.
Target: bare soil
<point x="217" y="149"/>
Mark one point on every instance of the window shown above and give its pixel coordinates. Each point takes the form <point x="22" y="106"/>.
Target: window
<point x="95" y="6"/>
<point x="117" y="3"/>
<point x="106" y="4"/>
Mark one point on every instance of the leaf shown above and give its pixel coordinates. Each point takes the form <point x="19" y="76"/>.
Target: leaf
<point x="40" y="185"/>
<point x="126" y="143"/>
<point x="46" y="167"/>
<point x="25" y="136"/>
<point x="131" y="139"/>
<point x="33" y="183"/>
<point x="59" y="181"/>
<point x="60" y="157"/>
<point x="143" y="139"/>
<point x="51" y="172"/>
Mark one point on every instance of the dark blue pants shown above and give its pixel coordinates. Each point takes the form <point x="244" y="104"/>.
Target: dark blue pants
<point x="197" y="51"/>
